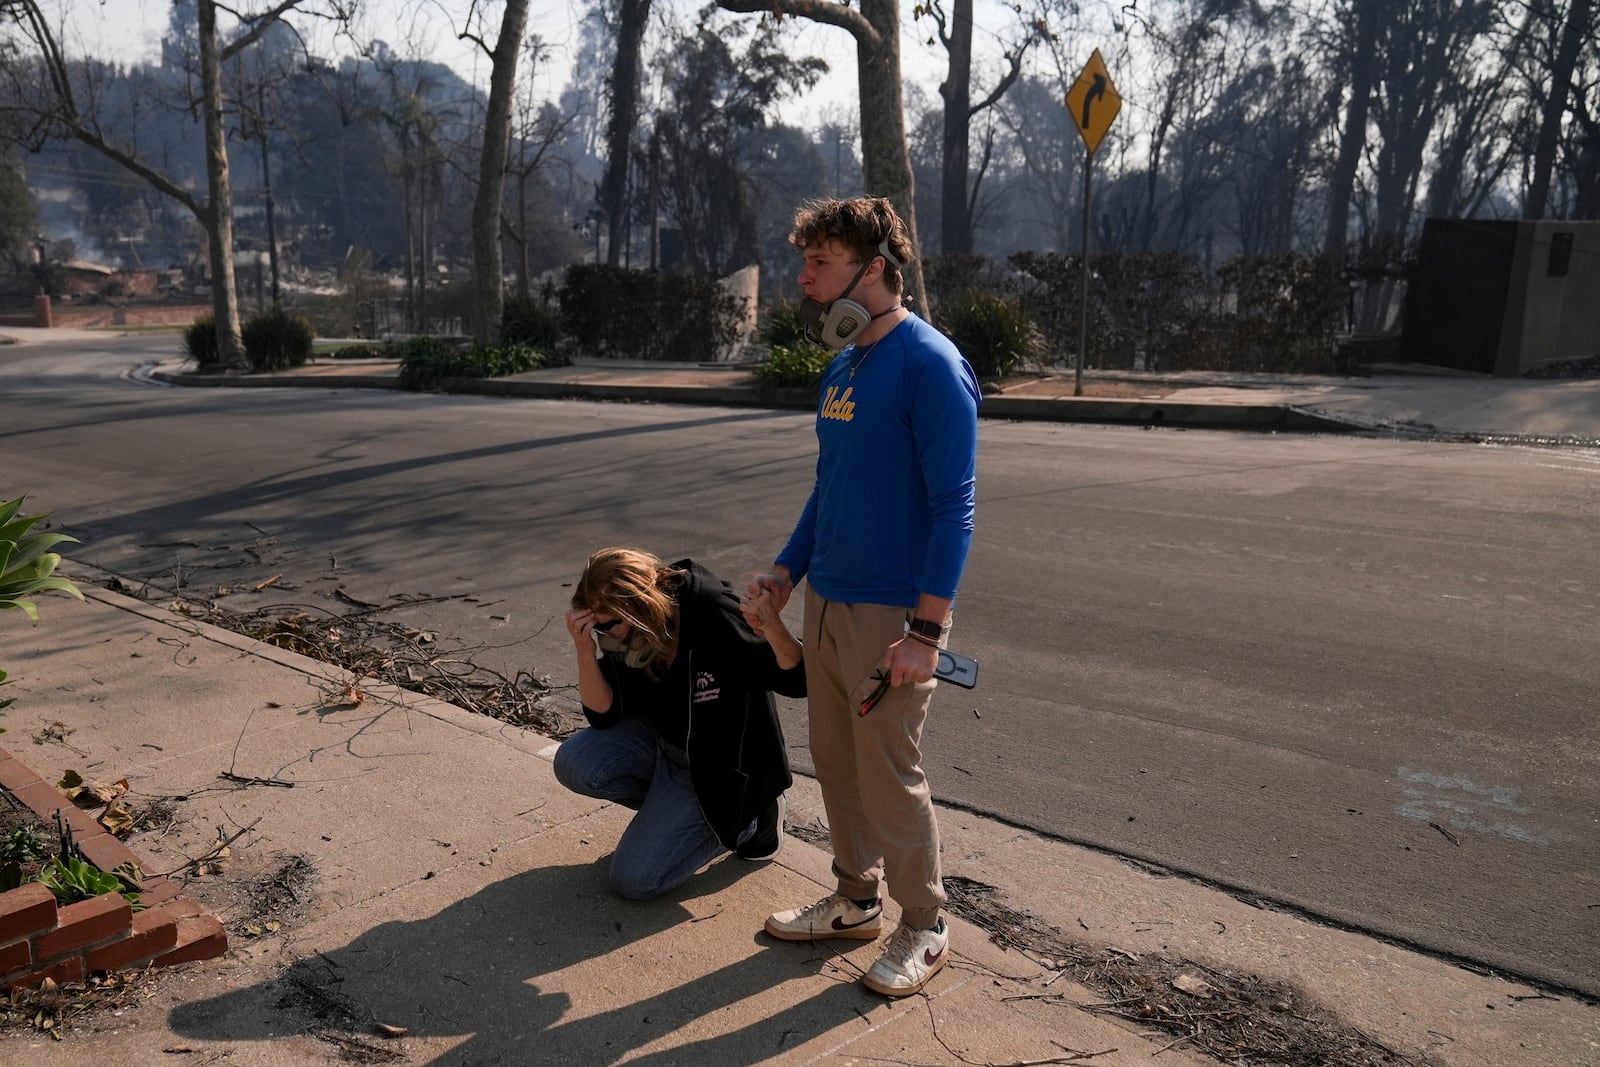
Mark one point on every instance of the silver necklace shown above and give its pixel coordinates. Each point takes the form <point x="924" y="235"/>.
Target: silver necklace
<point x="862" y="358"/>
<point x="865" y="352"/>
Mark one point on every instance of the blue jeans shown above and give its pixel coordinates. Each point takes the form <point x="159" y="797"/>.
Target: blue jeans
<point x="669" y="839"/>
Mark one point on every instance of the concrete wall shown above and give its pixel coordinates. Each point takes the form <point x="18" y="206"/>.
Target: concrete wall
<point x="1551" y="316"/>
<point x="744" y="285"/>
<point x="1503" y="297"/>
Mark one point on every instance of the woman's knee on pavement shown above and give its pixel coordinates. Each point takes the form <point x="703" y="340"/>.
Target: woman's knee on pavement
<point x="570" y="767"/>
<point x="633" y="880"/>
<point x="592" y="761"/>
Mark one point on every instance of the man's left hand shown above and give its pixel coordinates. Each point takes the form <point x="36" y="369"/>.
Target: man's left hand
<point x="910" y="661"/>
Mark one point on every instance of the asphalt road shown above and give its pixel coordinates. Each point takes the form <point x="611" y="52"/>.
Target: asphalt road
<point x="1351" y="676"/>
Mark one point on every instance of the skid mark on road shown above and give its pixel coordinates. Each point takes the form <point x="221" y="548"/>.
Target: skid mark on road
<point x="1463" y="804"/>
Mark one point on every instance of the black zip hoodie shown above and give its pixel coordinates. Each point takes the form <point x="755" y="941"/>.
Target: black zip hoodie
<point x="737" y="758"/>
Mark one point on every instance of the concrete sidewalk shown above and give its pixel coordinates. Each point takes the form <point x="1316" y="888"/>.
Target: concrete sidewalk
<point x="458" y="892"/>
<point x="1410" y="400"/>
<point x="409" y="864"/>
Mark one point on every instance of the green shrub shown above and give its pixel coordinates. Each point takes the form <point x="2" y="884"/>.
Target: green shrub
<point x="24" y="844"/>
<point x="277" y="339"/>
<point x="357" y="351"/>
<point x="796" y="367"/>
<point x="426" y="362"/>
<point x="781" y="326"/>
<point x="995" y="335"/>
<point x="1288" y="308"/>
<point x="200" y="342"/>
<point x="637" y="314"/>
<point x="950" y="277"/>
<point x="530" y="322"/>
<point x="1161" y="311"/>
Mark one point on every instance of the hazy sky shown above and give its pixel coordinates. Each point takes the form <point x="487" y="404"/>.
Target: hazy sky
<point x="132" y="29"/>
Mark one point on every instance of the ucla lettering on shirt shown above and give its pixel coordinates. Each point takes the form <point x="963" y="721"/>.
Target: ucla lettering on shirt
<point x="838" y="406"/>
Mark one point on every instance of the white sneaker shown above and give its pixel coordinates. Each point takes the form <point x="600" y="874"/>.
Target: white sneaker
<point x="913" y="957"/>
<point x="832" y="916"/>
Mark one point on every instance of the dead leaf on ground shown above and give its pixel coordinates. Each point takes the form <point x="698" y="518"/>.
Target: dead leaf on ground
<point x="91" y="794"/>
<point x="117" y="819"/>
<point x="1193" y="985"/>
<point x="213" y="861"/>
<point x="350" y="696"/>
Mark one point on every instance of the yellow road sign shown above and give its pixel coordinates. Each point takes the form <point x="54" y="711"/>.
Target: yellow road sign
<point x="1093" y="101"/>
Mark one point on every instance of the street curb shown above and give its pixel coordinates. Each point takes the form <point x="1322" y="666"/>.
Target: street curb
<point x="276" y="381"/>
<point x="1265" y="418"/>
<point x="720" y="396"/>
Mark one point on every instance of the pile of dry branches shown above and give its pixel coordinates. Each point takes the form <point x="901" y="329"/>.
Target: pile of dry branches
<point x="1235" y="1018"/>
<point x="390" y="652"/>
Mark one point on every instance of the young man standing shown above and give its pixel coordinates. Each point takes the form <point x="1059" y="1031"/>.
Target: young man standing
<point x="882" y="540"/>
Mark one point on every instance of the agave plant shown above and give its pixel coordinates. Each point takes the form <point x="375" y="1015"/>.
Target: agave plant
<point x="27" y="566"/>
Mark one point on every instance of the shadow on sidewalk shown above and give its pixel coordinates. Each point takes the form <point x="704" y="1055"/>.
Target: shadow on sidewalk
<point x="470" y="972"/>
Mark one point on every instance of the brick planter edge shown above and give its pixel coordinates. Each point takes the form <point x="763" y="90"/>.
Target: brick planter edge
<point x="40" y="940"/>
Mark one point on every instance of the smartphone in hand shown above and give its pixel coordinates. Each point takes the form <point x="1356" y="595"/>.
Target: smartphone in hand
<point x="956" y="669"/>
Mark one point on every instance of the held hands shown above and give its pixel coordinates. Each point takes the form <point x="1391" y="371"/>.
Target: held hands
<point x="768" y="623"/>
<point x="774" y="584"/>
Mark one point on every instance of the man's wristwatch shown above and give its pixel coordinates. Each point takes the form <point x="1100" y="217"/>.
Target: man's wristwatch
<point x="926" y="628"/>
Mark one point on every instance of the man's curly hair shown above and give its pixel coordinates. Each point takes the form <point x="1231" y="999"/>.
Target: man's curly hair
<point x="863" y="225"/>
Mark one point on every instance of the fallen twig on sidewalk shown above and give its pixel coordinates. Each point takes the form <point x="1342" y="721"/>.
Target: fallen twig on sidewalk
<point x="246" y="779"/>
<point x="1070" y="1057"/>
<point x="215" y="850"/>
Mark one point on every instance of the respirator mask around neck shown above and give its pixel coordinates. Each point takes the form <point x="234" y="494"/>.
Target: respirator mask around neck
<point x="839" y="322"/>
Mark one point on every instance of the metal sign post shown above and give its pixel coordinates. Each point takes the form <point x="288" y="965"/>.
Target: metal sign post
<point x="1093" y="103"/>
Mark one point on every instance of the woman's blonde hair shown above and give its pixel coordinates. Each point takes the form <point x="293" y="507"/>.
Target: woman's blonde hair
<point x="639" y="589"/>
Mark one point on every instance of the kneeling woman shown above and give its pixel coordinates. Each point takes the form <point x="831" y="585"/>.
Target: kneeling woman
<point x="682" y="726"/>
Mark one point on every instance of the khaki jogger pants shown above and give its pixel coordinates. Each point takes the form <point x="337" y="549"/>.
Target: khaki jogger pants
<point x="880" y="811"/>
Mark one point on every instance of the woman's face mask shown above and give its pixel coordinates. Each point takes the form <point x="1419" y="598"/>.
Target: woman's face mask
<point x="633" y="650"/>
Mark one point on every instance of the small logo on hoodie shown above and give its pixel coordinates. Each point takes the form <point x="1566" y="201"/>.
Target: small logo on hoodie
<point x="705" y="687"/>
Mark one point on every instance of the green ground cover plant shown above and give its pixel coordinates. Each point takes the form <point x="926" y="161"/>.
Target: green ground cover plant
<point x="72" y="879"/>
<point x="427" y="362"/>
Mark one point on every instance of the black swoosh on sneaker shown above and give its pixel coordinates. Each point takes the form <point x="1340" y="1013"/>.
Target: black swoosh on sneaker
<point x="840" y="924"/>
<point x="930" y="957"/>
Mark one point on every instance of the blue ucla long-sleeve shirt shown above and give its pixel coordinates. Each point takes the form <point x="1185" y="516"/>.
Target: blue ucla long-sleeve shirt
<point x="890" y="515"/>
